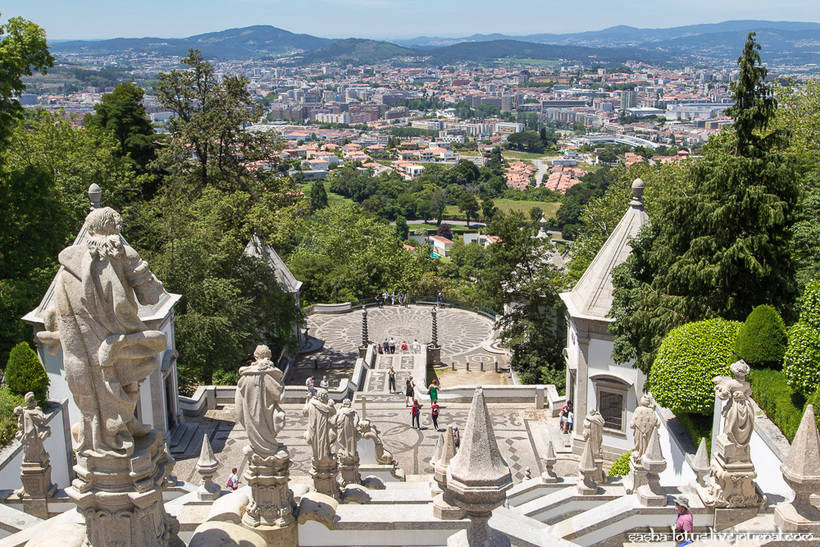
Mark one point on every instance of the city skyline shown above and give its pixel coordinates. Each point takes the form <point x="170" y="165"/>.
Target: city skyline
<point x="379" y="19"/>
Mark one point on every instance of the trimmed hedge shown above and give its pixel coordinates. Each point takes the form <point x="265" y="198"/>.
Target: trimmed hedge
<point x="801" y="363"/>
<point x="8" y="421"/>
<point x="777" y="400"/>
<point x="814" y="399"/>
<point x="620" y="467"/>
<point x="810" y="304"/>
<point x="25" y="373"/>
<point x="687" y="360"/>
<point x="762" y="339"/>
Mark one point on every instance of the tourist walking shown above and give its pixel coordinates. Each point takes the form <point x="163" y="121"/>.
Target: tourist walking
<point x="432" y="390"/>
<point x="434" y="414"/>
<point x="409" y="391"/>
<point x="456" y="437"/>
<point x="403" y="346"/>
<point x="233" y="480"/>
<point x="392" y="345"/>
<point x="391" y="380"/>
<point x="439" y="299"/>
<point x="415" y="413"/>
<point x="393" y="298"/>
<point x="310" y="386"/>
<point x="684" y="525"/>
<point x="416" y="346"/>
<point x="386" y="346"/>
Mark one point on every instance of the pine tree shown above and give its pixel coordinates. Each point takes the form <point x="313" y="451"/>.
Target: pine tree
<point x="719" y="243"/>
<point x="318" y="196"/>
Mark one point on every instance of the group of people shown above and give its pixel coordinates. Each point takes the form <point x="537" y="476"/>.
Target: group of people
<point x="413" y="403"/>
<point x="393" y="297"/>
<point x="566" y="417"/>
<point x="389" y="346"/>
<point x="310" y="384"/>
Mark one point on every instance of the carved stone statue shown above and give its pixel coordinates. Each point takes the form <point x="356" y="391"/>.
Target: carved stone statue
<point x="347" y="430"/>
<point x="320" y="435"/>
<point x="258" y="394"/>
<point x="594" y="431"/>
<point x="32" y="431"/>
<point x="731" y="483"/>
<point x="107" y="349"/>
<point x="107" y="352"/>
<point x="347" y="436"/>
<point x="369" y="431"/>
<point x="644" y="422"/>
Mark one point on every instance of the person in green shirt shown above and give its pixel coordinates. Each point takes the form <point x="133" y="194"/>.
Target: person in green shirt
<point x="432" y="390"/>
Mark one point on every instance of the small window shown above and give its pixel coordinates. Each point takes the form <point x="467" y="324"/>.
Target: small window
<point x="611" y="406"/>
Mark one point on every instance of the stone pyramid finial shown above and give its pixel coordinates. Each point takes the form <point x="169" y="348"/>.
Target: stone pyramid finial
<point x="700" y="464"/>
<point x="437" y="451"/>
<point x="443" y="505"/>
<point x="478" y="476"/>
<point x="206" y="466"/>
<point x="653" y="454"/>
<point x="549" y="475"/>
<point x="650" y="493"/>
<point x="803" y="459"/>
<point x="478" y="459"/>
<point x="588" y="471"/>
<point x="801" y="471"/>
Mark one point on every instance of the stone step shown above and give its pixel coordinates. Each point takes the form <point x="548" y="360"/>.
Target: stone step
<point x="181" y="437"/>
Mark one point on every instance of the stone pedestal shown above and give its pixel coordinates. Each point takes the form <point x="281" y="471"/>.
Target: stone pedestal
<point x="349" y="470"/>
<point x="121" y="498"/>
<point x="478" y="534"/>
<point x="270" y="509"/>
<point x="588" y="473"/>
<point x="37" y="488"/>
<point x="206" y="466"/>
<point x="324" y="477"/>
<point x="652" y="464"/>
<point x="731" y="483"/>
<point x="434" y="355"/>
<point x="801" y="471"/>
<point x="636" y="477"/>
<point x="549" y="476"/>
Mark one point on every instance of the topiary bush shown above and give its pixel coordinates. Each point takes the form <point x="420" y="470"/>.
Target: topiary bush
<point x="25" y="373"/>
<point x="775" y="397"/>
<point x="620" y="467"/>
<point x="813" y="399"/>
<point x="8" y="421"/>
<point x="801" y="363"/>
<point x="762" y="339"/>
<point x="687" y="360"/>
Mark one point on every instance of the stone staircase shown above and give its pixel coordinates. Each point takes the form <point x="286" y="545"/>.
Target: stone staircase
<point x="181" y="438"/>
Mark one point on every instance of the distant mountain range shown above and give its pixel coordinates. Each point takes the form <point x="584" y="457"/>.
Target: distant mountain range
<point x="783" y="43"/>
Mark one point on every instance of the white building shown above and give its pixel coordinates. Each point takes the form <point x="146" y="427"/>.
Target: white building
<point x="594" y="380"/>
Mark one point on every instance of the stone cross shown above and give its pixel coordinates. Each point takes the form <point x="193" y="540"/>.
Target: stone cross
<point x="478" y="478"/>
<point x="107" y="353"/>
<point x="206" y="466"/>
<point x="801" y="471"/>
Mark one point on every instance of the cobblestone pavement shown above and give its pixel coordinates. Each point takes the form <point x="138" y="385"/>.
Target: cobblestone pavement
<point x="412" y="448"/>
<point x="460" y="334"/>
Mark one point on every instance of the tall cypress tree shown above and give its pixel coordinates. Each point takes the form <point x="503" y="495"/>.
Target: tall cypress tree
<point x="318" y="195"/>
<point x="718" y="245"/>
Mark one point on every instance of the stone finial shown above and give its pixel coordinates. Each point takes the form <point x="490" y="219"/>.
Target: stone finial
<point x="588" y="472"/>
<point x="549" y="475"/>
<point x="700" y="464"/>
<point x="95" y="195"/>
<point x="801" y="471"/>
<point x="365" y="334"/>
<point x="443" y="505"/>
<point x="206" y="467"/>
<point x="437" y="451"/>
<point x="653" y="464"/>
<point x="434" y="333"/>
<point x="478" y="477"/>
<point x="637" y="192"/>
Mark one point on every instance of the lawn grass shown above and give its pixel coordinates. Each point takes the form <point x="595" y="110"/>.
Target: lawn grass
<point x="510" y="205"/>
<point x="331" y="196"/>
<point x="516" y="155"/>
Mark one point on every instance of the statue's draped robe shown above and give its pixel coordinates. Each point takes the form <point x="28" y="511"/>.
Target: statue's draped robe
<point x="107" y="349"/>
<point x="318" y="432"/>
<point x="595" y="436"/>
<point x="347" y="431"/>
<point x="644" y="422"/>
<point x="33" y="431"/>
<point x="258" y="394"/>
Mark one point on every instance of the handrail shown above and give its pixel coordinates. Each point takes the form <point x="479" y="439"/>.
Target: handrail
<point x="429" y="300"/>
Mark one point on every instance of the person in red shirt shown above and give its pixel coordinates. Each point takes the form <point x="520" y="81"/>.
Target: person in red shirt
<point x="434" y="414"/>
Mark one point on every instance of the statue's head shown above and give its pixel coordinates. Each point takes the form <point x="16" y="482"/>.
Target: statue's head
<point x="262" y="352"/>
<point x="322" y="395"/>
<point x="739" y="369"/>
<point x="645" y="400"/>
<point x="346" y="403"/>
<point x="31" y="402"/>
<point x="104" y="226"/>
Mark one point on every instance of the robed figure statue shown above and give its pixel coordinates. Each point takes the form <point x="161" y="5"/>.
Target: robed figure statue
<point x="107" y="349"/>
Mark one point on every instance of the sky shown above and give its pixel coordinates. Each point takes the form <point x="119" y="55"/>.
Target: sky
<point x="384" y="19"/>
